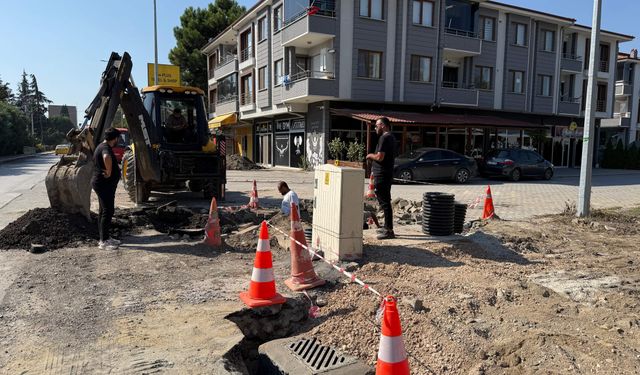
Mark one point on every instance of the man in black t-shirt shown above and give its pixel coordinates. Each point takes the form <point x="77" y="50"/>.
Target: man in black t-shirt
<point x="106" y="174"/>
<point x="382" y="170"/>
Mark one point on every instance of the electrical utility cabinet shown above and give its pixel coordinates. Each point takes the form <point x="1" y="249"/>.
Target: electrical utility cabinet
<point x="338" y="211"/>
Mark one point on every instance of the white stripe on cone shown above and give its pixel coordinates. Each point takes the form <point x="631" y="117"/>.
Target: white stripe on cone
<point x="391" y="349"/>
<point x="263" y="245"/>
<point x="262" y="275"/>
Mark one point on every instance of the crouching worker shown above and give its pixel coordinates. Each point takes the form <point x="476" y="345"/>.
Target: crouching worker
<point x="289" y="196"/>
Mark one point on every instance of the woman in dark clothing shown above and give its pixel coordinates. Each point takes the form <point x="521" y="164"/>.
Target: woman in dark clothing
<point x="104" y="182"/>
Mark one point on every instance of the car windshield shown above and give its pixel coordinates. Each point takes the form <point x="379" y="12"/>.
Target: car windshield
<point x="412" y="154"/>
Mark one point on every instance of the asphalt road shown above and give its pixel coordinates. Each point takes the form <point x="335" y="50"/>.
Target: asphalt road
<point x="22" y="186"/>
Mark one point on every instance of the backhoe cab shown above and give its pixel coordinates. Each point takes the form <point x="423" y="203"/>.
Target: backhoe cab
<point x="171" y="145"/>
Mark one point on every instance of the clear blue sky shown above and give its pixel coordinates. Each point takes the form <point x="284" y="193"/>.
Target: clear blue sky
<point x="63" y="41"/>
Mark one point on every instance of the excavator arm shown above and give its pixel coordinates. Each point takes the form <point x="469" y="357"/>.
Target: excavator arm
<point x="68" y="182"/>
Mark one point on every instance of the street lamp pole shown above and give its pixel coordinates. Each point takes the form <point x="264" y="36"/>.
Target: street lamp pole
<point x="155" y="42"/>
<point x="584" y="193"/>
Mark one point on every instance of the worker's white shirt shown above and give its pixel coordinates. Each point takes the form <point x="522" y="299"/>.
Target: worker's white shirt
<point x="290" y="197"/>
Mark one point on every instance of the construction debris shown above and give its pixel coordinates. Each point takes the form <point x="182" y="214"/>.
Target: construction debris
<point x="240" y="163"/>
<point x="49" y="227"/>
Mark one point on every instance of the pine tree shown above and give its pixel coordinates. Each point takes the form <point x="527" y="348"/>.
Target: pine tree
<point x="23" y="96"/>
<point x="39" y="104"/>
<point x="196" y="27"/>
<point x="5" y="92"/>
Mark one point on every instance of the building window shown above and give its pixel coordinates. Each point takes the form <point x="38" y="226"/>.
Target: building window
<point x="517" y="82"/>
<point x="228" y="88"/>
<point x="521" y="34"/>
<point x="277" y="18"/>
<point x="246" y="89"/>
<point x="262" y="29"/>
<point x="601" y="98"/>
<point x="544" y="85"/>
<point x="423" y="12"/>
<point x="369" y="64"/>
<point x="604" y="58"/>
<point x="487" y="25"/>
<point x="420" y="68"/>
<point x="246" y="45"/>
<point x="548" y="40"/>
<point x="262" y="78"/>
<point x="484" y="77"/>
<point x="371" y="8"/>
<point x="277" y="72"/>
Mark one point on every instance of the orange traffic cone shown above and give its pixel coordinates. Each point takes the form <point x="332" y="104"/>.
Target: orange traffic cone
<point x="253" y="201"/>
<point x="392" y="359"/>
<point x="262" y="288"/>
<point x="488" y="211"/>
<point x="371" y="193"/>
<point x="212" y="232"/>
<point x="303" y="276"/>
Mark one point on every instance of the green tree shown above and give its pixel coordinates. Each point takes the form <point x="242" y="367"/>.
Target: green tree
<point x="13" y="130"/>
<point x="23" y="95"/>
<point x="39" y="104"/>
<point x="5" y="92"/>
<point x="56" y="130"/>
<point x="64" y="111"/>
<point x="197" y="25"/>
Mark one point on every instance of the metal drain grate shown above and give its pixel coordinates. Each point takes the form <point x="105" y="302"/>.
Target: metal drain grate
<point x="317" y="356"/>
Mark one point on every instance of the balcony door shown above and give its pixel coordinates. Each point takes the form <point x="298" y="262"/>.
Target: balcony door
<point x="450" y="76"/>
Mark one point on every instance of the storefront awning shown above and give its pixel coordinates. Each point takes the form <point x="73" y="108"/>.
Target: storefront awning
<point x="222" y="120"/>
<point x="436" y="119"/>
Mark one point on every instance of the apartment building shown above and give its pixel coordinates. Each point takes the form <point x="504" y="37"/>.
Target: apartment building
<point x="290" y="75"/>
<point x="626" y="110"/>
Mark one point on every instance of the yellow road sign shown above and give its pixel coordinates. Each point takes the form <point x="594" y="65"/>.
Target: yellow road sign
<point x="167" y="75"/>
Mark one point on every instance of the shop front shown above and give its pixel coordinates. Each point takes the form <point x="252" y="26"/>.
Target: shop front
<point x="264" y="143"/>
<point x="289" y="142"/>
<point x="239" y="135"/>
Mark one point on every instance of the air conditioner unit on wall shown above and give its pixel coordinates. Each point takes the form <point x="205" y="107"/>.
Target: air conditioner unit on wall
<point x="338" y="199"/>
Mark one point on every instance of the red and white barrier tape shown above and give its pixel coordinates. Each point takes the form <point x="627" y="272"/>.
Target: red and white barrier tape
<point x="476" y="201"/>
<point x="349" y="275"/>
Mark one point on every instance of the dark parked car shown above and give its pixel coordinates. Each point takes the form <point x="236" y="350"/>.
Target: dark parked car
<point x="434" y="164"/>
<point x="515" y="164"/>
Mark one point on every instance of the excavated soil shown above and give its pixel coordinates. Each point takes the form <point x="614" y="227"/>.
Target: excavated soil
<point x="553" y="295"/>
<point x="240" y="163"/>
<point x="47" y="227"/>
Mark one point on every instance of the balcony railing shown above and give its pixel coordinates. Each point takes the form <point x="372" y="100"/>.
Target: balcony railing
<point x="571" y="56"/>
<point x="227" y="99"/>
<point x="622" y="115"/>
<point x="457" y="85"/>
<point x="569" y="99"/>
<point x="246" y="53"/>
<point x="604" y="66"/>
<point x="246" y="98"/>
<point x="225" y="60"/>
<point x="325" y="8"/>
<point x="468" y="34"/>
<point x="601" y="105"/>
<point x="309" y="74"/>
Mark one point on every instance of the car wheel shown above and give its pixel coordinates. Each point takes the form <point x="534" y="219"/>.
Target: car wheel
<point x="462" y="175"/>
<point x="406" y="175"/>
<point x="548" y="173"/>
<point x="515" y="175"/>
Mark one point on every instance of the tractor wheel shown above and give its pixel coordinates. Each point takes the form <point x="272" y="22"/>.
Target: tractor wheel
<point x="138" y="192"/>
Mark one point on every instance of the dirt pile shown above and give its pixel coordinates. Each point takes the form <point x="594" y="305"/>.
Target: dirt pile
<point x="48" y="227"/>
<point x="240" y="163"/>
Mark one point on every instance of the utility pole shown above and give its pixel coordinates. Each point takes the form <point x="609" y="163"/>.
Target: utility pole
<point x="155" y="42"/>
<point x="584" y="192"/>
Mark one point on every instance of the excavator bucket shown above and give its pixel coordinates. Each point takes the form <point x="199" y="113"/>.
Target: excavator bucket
<point x="69" y="186"/>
